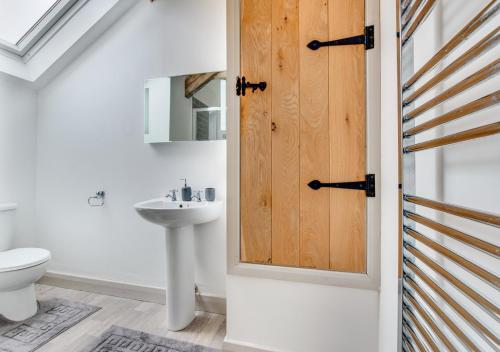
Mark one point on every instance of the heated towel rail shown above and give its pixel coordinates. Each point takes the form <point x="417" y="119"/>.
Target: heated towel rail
<point x="449" y="283"/>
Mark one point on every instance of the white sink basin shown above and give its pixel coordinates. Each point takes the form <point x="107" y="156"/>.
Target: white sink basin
<point x="178" y="219"/>
<point x="162" y="211"/>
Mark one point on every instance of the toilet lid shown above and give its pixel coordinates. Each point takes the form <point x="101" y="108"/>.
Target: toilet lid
<point x="22" y="258"/>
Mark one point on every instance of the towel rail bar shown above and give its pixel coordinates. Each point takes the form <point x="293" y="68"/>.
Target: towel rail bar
<point x="482" y="17"/>
<point x="467" y="109"/>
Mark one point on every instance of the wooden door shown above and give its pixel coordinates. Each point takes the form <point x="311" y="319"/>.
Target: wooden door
<point x="309" y="123"/>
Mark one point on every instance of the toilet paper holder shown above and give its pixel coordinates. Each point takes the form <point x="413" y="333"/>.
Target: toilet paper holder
<point x="97" y="200"/>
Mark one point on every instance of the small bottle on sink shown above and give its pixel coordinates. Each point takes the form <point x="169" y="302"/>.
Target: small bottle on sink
<point x="186" y="191"/>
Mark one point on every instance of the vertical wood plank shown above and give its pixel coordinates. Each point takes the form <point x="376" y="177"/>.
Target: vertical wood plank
<point x="255" y="133"/>
<point x="347" y="138"/>
<point x="285" y="135"/>
<point x="314" y="136"/>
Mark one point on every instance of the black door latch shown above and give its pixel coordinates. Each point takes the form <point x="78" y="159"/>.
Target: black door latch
<point x="242" y="84"/>
<point x="368" y="39"/>
<point x="368" y="185"/>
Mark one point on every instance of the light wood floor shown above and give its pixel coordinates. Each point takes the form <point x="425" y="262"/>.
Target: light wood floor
<point x="207" y="329"/>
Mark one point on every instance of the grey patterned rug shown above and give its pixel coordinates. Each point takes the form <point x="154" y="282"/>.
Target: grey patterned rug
<point x="118" y="339"/>
<point x="53" y="318"/>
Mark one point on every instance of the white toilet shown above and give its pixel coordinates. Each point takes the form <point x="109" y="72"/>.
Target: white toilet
<point x="19" y="270"/>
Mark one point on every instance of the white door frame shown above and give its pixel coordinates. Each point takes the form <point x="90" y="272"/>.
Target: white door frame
<point x="368" y="280"/>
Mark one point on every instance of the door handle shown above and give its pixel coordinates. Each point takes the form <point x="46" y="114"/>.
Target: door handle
<point x="242" y="85"/>
<point x="368" y="185"/>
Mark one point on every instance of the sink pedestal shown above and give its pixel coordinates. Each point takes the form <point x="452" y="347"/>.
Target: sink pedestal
<point x="180" y="277"/>
<point x="179" y="218"/>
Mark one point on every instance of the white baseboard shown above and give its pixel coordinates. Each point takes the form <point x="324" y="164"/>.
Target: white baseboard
<point x="206" y="303"/>
<point x="239" y="346"/>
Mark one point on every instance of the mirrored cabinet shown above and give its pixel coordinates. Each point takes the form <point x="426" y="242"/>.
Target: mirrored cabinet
<point x="185" y="108"/>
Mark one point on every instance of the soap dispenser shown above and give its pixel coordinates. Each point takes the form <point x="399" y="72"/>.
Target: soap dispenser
<point x="186" y="191"/>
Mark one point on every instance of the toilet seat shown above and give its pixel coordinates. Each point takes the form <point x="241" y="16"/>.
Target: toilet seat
<point x="22" y="258"/>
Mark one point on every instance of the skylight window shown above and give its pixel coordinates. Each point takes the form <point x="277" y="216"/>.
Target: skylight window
<point x="17" y="17"/>
<point x="24" y="22"/>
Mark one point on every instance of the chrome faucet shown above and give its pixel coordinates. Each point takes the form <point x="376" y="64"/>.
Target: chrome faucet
<point x="197" y="196"/>
<point x="172" y="195"/>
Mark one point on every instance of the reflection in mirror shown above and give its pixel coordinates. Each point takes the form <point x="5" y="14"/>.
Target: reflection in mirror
<point x="196" y="108"/>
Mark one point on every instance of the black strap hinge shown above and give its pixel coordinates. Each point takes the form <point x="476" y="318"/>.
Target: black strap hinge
<point x="368" y="39"/>
<point x="368" y="185"/>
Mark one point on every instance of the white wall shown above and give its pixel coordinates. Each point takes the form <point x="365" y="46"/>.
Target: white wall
<point x="90" y="137"/>
<point x="17" y="154"/>
<point x="289" y="316"/>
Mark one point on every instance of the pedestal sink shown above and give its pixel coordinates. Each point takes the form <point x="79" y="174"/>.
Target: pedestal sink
<point x="178" y="219"/>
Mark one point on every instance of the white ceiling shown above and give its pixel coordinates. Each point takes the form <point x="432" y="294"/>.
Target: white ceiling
<point x="18" y="16"/>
